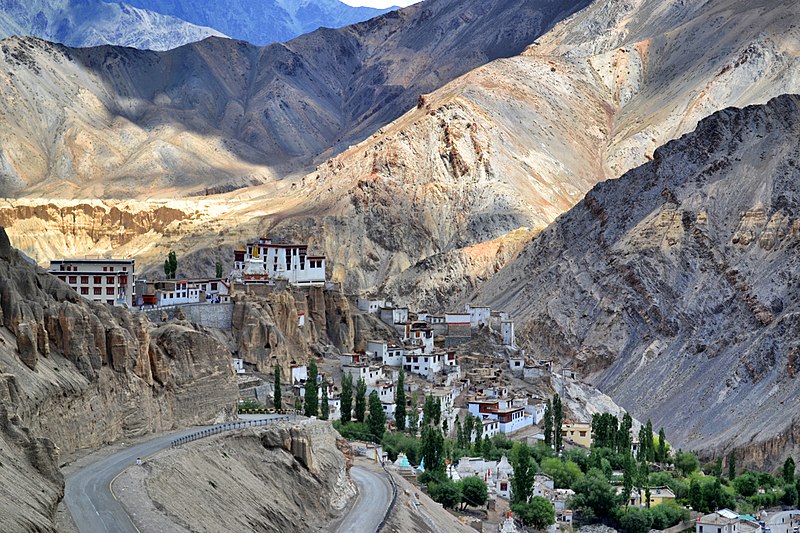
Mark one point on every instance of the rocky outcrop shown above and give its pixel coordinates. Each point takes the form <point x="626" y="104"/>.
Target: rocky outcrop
<point x="287" y="477"/>
<point x="75" y="376"/>
<point x="267" y="332"/>
<point x="675" y="288"/>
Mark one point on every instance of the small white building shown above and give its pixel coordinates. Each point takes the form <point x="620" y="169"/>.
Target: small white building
<point x="479" y="316"/>
<point x="394" y="315"/>
<point x="428" y="365"/>
<point x="507" y="333"/>
<point x="385" y="390"/>
<point x="299" y="373"/>
<point x="724" y="521"/>
<point x="419" y="334"/>
<point x="238" y="365"/>
<point x="370" y="305"/>
<point x="370" y="374"/>
<point x="517" y="365"/>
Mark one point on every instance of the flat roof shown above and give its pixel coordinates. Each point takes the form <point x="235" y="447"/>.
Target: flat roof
<point x="92" y="261"/>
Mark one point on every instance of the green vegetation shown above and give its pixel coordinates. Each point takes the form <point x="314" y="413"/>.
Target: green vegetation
<point x="537" y="513"/>
<point x="361" y="400"/>
<point x="324" y="407"/>
<point x="171" y="265"/>
<point x="400" y="401"/>
<point x="277" y="386"/>
<point x="376" y="421"/>
<point x="218" y="269"/>
<point x="312" y="391"/>
<point x="347" y="398"/>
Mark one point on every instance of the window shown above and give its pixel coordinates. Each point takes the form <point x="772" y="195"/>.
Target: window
<point x="111" y="269"/>
<point x="98" y="280"/>
<point x="85" y="280"/>
<point x="98" y="290"/>
<point x="84" y="290"/>
<point x="110" y="301"/>
<point x="110" y="279"/>
<point x="583" y="433"/>
<point x="105" y="269"/>
<point x="62" y="278"/>
<point x="214" y="286"/>
<point x="124" y="269"/>
<point x="109" y="290"/>
<point x="73" y="279"/>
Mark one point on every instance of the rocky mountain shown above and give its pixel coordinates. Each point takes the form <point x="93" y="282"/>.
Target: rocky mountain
<point x="263" y="21"/>
<point x="675" y="287"/>
<point x="77" y="376"/>
<point x="220" y="114"/>
<point x="83" y="23"/>
<point x="437" y="201"/>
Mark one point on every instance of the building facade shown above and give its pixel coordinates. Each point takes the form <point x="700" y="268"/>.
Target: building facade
<point x="109" y="281"/>
<point x="265" y="261"/>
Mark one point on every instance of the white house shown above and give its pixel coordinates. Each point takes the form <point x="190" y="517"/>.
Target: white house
<point x="419" y="334"/>
<point x="428" y="365"/>
<point x="238" y="365"/>
<point x="479" y="316"/>
<point x="510" y="418"/>
<point x="370" y="305"/>
<point x="507" y="332"/>
<point x="385" y="391"/>
<point x="299" y="373"/>
<point x="394" y="315"/>
<point x="265" y="261"/>
<point x="517" y="365"/>
<point x="724" y="521"/>
<point x="109" y="281"/>
<point x="370" y="374"/>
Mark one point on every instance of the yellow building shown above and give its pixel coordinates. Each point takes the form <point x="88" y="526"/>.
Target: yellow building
<point x="657" y="495"/>
<point x="577" y="433"/>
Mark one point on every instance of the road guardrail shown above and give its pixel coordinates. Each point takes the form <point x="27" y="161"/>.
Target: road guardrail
<point x="221" y="428"/>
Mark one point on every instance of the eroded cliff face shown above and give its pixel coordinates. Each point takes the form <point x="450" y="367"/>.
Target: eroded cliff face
<point x="76" y="375"/>
<point x="675" y="286"/>
<point x="267" y="332"/>
<point x="286" y="477"/>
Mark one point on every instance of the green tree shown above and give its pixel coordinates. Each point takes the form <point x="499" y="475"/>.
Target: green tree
<point x="218" y="269"/>
<point x="347" y="398"/>
<point x="746" y="484"/>
<point x="789" y="495"/>
<point x="629" y="475"/>
<point x="400" y="410"/>
<point x="651" y="450"/>
<point x="548" y="423"/>
<point x="661" y="451"/>
<point x="412" y="418"/>
<point x="696" y="496"/>
<point x="687" y="463"/>
<point x="473" y="491"/>
<point x="788" y="470"/>
<point x="324" y="407"/>
<point x="641" y="454"/>
<point x="433" y="448"/>
<point x="361" y="399"/>
<point x="636" y="520"/>
<point x="623" y="440"/>
<point x="594" y="497"/>
<point x="558" y="421"/>
<point x="564" y="473"/>
<point x="171" y="265"/>
<point x="312" y="391"/>
<point x="447" y="493"/>
<point x="376" y="421"/>
<point x="731" y="465"/>
<point x="522" y="482"/>
<point x="277" y="386"/>
<point x="538" y="513"/>
<point x="668" y="514"/>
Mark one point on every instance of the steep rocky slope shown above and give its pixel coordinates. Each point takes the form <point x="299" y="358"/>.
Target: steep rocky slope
<point x="75" y="376"/>
<point x="220" y="114"/>
<point x="94" y="22"/>
<point x="675" y="286"/>
<point x="263" y="21"/>
<point x="287" y="477"/>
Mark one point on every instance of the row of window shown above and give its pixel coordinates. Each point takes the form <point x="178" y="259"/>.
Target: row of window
<point x="97" y="280"/>
<point x="97" y="291"/>
<point x="73" y="268"/>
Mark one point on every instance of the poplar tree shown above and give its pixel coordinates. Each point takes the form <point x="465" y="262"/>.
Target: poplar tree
<point x="731" y="465"/>
<point x="548" y="423"/>
<point x="651" y="449"/>
<point x="400" y="401"/>
<point x="347" y="398"/>
<point x="661" y="452"/>
<point x="312" y="392"/>
<point x="361" y="400"/>
<point x="277" y="386"/>
<point x="324" y="407"/>
<point x="558" y="421"/>
<point x="522" y="482"/>
<point x="376" y="421"/>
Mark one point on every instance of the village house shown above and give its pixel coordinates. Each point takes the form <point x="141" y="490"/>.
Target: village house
<point x="109" y="281"/>
<point x="370" y="374"/>
<point x="657" y="495"/>
<point x="724" y="521"/>
<point x="479" y="316"/>
<point x="353" y="359"/>
<point x="436" y="322"/>
<point x="459" y="329"/>
<point x="577" y="433"/>
<point x="419" y="333"/>
<point x="299" y="373"/>
<point x="428" y="365"/>
<point x="510" y="418"/>
<point x="370" y="305"/>
<point x="394" y="315"/>
<point x="496" y="474"/>
<point x="507" y="333"/>
<point x="265" y="261"/>
<point x="166" y="293"/>
<point x="385" y="390"/>
<point x="238" y="365"/>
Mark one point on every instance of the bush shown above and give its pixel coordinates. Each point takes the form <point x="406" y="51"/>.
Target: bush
<point x="396" y="442"/>
<point x="352" y="430"/>
<point x="746" y="484"/>
<point x="474" y="491"/>
<point x="636" y="520"/>
<point x="448" y="493"/>
<point x="668" y="514"/>
<point x="538" y="513"/>
<point x="564" y="473"/>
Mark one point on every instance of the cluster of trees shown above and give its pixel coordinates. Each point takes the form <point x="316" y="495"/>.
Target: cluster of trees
<point x="171" y="265"/>
<point x="470" y="491"/>
<point x="361" y="422"/>
<point x="553" y="420"/>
